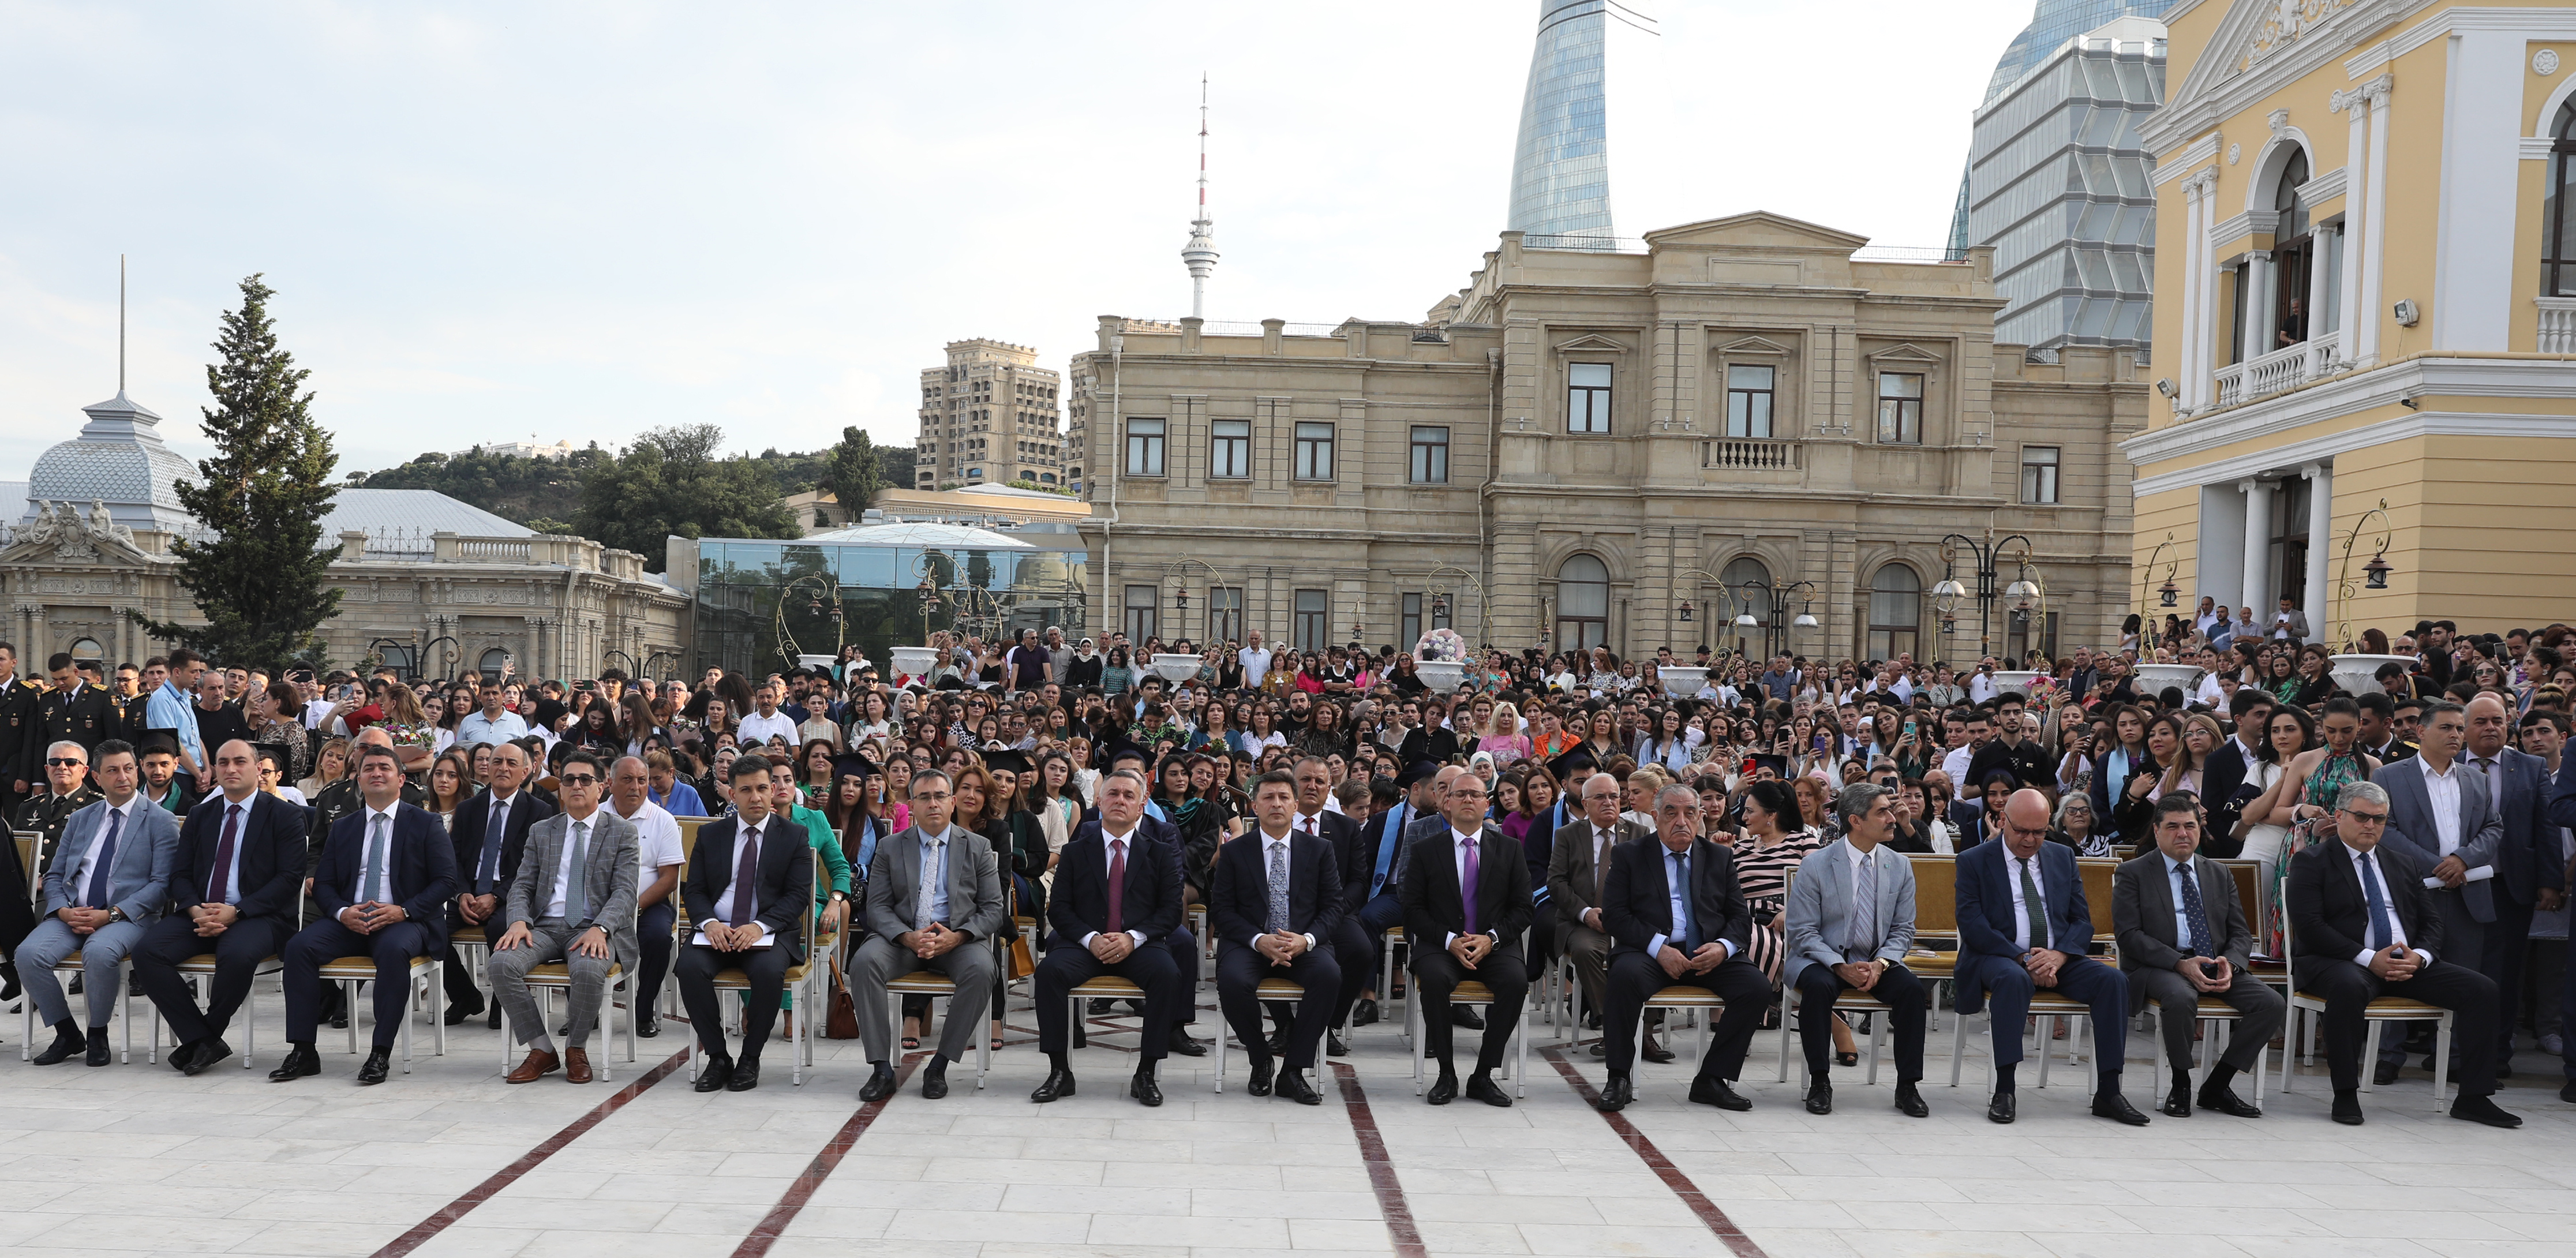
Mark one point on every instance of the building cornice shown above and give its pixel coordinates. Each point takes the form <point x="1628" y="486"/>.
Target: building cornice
<point x="2536" y="23"/>
<point x="2527" y="378"/>
<point x="2176" y="166"/>
<point x="2404" y="427"/>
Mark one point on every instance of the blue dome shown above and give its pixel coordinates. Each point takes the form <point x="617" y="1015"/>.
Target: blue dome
<point x="118" y="459"/>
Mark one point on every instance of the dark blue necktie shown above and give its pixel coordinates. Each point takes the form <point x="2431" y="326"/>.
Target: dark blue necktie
<point x="106" y="860"/>
<point x="496" y="825"/>
<point x="2381" y="935"/>
<point x="1689" y="925"/>
<point x="2193" y="913"/>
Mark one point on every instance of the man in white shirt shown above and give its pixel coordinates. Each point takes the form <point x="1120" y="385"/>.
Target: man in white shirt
<point x="1255" y="659"/>
<point x="1981" y="683"/>
<point x="494" y="724"/>
<point x="657" y="850"/>
<point x="758" y="727"/>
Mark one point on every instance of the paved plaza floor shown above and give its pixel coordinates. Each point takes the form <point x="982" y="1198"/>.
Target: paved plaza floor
<point x="449" y="1160"/>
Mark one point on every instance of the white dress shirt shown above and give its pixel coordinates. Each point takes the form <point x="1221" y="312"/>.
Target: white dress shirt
<point x="564" y="872"/>
<point x="2396" y="925"/>
<point x="756" y="729"/>
<point x="2442" y="787"/>
<point x="1111" y="849"/>
<point x="743" y="837"/>
<point x="239" y="815"/>
<point x="1279" y="843"/>
<point x="2021" y="909"/>
<point x="98" y="839"/>
<point x="1459" y="845"/>
<point x="383" y="891"/>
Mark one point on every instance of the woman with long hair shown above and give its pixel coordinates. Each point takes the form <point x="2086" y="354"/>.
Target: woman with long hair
<point x="2263" y="827"/>
<point x="1503" y="736"/>
<point x="2317" y="777"/>
<point x="2125" y="759"/>
<point x="451" y="783"/>
<point x="1057" y="800"/>
<point x="1116" y="678"/>
<point x="1663" y="743"/>
<point x="2133" y="817"/>
<point x="1774" y="838"/>
<point x="1323" y="734"/>
<point x="1260" y="730"/>
<point x="636" y="721"/>
<point x="1601" y="735"/>
<point x="874" y="720"/>
<point x="329" y="765"/>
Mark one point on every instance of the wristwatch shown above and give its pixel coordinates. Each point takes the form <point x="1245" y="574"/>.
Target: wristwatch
<point x="840" y="897"/>
<point x="115" y="915"/>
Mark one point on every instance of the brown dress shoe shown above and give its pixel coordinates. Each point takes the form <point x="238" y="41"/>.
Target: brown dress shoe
<point x="538" y="1065"/>
<point x="576" y="1065"/>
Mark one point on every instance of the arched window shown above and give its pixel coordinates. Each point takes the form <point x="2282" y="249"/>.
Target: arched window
<point x="1895" y="612"/>
<point x="1754" y="639"/>
<point x="2294" y="255"/>
<point x="2558" y="251"/>
<point x="1582" y="603"/>
<point x="88" y="651"/>
<point x="492" y="662"/>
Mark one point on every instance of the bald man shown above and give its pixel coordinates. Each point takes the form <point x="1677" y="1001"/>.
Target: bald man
<point x="2024" y="926"/>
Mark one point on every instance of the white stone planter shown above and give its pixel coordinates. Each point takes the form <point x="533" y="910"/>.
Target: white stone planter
<point x="1682" y="681"/>
<point x="2153" y="678"/>
<point x="2015" y="680"/>
<point x="1176" y="669"/>
<point x="913" y="661"/>
<point x="2358" y="674"/>
<point x="1442" y="676"/>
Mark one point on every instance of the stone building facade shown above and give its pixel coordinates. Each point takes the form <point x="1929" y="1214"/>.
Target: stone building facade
<point x="988" y="417"/>
<point x="1596" y="438"/>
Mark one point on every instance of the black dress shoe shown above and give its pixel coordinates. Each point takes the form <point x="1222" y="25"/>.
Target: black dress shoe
<point x="1466" y="1016"/>
<point x="2347" y="1108"/>
<point x="1909" y="1102"/>
<point x="379" y="1063"/>
<point x="1181" y="1043"/>
<point x="2001" y="1108"/>
<point x="2116" y="1107"/>
<point x="9" y="988"/>
<point x="1820" y="1097"/>
<point x="880" y="1084"/>
<point x="2225" y="1101"/>
<point x="207" y="1053"/>
<point x="2504" y="1070"/>
<point x="1059" y="1083"/>
<point x="1616" y="1095"/>
<point x="746" y="1075"/>
<point x="1101" y="1005"/>
<point x="1277" y="1045"/>
<point x="934" y="1078"/>
<point x="2567" y="1092"/>
<point x="2384" y="1073"/>
<point x="1292" y="1086"/>
<point x="1443" y="1089"/>
<point x="1600" y="1049"/>
<point x="1260" y="1084"/>
<point x="66" y="1043"/>
<point x="648" y="1024"/>
<point x="1654" y="1052"/>
<point x="1333" y="1045"/>
<point x="300" y="1060"/>
<point x="2479" y="1109"/>
<point x="1715" y="1092"/>
<point x="1144" y="1089"/>
<point x="179" y="1056"/>
<point x="715" y="1074"/>
<point x="2177" y="1104"/>
<point x="1364" y="1013"/>
<point x="458" y="1014"/>
<point x="99" y="1053"/>
<point x="1483" y="1088"/>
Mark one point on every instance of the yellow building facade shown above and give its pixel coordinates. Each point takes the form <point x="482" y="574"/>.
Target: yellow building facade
<point x="2359" y="300"/>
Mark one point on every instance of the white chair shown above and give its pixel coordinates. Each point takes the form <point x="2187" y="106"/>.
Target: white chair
<point x="937" y="986"/>
<point x="1268" y="990"/>
<point x="2375" y="1015"/>
<point x="349" y="972"/>
<point x="1472" y="992"/>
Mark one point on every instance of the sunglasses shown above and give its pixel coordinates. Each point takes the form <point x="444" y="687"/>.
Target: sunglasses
<point x="577" y="779"/>
<point x="64" y="762"/>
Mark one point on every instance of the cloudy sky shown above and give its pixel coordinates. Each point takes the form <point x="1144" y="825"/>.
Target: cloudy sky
<point x="487" y="221"/>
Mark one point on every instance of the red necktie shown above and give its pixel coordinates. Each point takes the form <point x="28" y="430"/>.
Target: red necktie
<point x="219" y="882"/>
<point x="1117" y="887"/>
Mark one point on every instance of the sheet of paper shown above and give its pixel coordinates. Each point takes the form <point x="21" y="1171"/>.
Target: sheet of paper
<point x="701" y="940"/>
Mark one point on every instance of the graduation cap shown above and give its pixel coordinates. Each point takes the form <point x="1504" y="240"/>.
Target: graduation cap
<point x="1416" y="771"/>
<point x="1772" y="760"/>
<point x="852" y="764"/>
<point x="1006" y="758"/>
<point x="1568" y="763"/>
<point x="278" y="752"/>
<point x="161" y="740"/>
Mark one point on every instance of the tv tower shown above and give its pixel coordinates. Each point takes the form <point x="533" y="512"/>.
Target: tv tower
<point x="1200" y="254"/>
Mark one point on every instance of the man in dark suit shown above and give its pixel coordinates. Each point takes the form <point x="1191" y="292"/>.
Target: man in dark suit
<point x="18" y="718"/>
<point x="2182" y="936"/>
<point x="73" y="711"/>
<point x="749" y="885"/>
<point x="1274" y="903"/>
<point x="387" y="872"/>
<point x="2223" y="779"/>
<point x="2361" y="927"/>
<point x="233" y="891"/>
<point x="2023" y="925"/>
<point x="1578" y="863"/>
<point x="2528" y="875"/>
<point x="1390" y="837"/>
<point x="1677" y="918"/>
<point x="1353" y="952"/>
<point x="1117" y="897"/>
<point x="1466" y="901"/>
<point x="491" y="834"/>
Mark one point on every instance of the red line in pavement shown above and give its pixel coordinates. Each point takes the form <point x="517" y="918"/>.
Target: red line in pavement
<point x="801" y="1190"/>
<point x="447" y="1215"/>
<point x="1724" y="1227"/>
<point x="1382" y="1180"/>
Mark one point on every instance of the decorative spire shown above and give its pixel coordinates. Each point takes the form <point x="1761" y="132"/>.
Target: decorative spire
<point x="1200" y="254"/>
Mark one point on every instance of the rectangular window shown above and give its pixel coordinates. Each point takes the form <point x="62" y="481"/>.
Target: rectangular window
<point x="1314" y="608"/>
<point x="1748" y="402"/>
<point x="1314" y="451"/>
<point x="2039" y="473"/>
<point x="1225" y="615"/>
<point x="1144" y="447"/>
<point x="1900" y="408"/>
<point x="1430" y="457"/>
<point x="1142" y="621"/>
<point x="1408" y="627"/>
<point x="1587" y="397"/>
<point x="1230" y="449"/>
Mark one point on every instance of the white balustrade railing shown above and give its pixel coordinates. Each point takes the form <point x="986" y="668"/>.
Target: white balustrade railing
<point x="2283" y="369"/>
<point x="2557" y="325"/>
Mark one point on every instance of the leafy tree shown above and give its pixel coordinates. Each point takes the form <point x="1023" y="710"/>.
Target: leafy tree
<point x="672" y="482"/>
<point x="512" y="486"/>
<point x="259" y="578"/>
<point x="850" y="471"/>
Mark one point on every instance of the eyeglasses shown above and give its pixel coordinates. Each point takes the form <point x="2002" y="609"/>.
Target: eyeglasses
<point x="580" y="779"/>
<point x="63" y="762"/>
<point x="2369" y="818"/>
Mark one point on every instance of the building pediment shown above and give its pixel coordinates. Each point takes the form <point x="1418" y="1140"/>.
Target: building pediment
<point x="58" y="533"/>
<point x="1906" y="352"/>
<point x="1757" y="345"/>
<point x="1758" y="231"/>
<point x="1591" y="343"/>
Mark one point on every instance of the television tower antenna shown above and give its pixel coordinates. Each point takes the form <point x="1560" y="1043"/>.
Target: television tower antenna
<point x="1200" y="254"/>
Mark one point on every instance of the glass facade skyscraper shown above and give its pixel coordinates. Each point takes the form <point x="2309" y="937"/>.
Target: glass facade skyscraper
<point x="1561" y="164"/>
<point x="2057" y="180"/>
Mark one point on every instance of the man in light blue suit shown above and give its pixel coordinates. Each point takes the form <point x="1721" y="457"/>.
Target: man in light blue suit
<point x="1833" y="949"/>
<point x="110" y="879"/>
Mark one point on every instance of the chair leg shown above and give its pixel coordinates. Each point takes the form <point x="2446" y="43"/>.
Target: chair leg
<point x="2047" y="1036"/>
<point x="1958" y="1046"/>
<point x="349" y="1004"/>
<point x="2370" y="1055"/>
<point x="1520" y="1067"/>
<point x="1877" y="1041"/>
<point x="2442" y="1059"/>
<point x="1221" y="1037"/>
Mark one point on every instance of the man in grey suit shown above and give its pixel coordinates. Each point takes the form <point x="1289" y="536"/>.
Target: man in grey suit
<point x="2182" y="936"/>
<point x="573" y="901"/>
<point x="1578" y="860"/>
<point x="109" y="880"/>
<point x="918" y="919"/>
<point x="1833" y="948"/>
<point x="2441" y="814"/>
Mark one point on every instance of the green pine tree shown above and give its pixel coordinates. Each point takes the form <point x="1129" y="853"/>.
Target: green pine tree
<point x="260" y="580"/>
<point x="852" y="472"/>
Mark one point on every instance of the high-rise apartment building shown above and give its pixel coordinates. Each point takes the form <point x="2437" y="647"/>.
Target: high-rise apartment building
<point x="988" y="417"/>
<point x="2057" y="178"/>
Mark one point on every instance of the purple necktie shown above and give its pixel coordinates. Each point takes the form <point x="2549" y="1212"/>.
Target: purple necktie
<point x="1117" y="888"/>
<point x="1467" y="889"/>
<point x="745" y="873"/>
<point x="219" y="882"/>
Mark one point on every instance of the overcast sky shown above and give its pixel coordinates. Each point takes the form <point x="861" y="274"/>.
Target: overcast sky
<point x="583" y="220"/>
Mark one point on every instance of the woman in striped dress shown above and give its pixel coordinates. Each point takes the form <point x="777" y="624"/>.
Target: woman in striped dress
<point x="1771" y="844"/>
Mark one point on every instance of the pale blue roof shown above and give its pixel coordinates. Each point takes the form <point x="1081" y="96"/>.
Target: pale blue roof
<point x="424" y="511"/>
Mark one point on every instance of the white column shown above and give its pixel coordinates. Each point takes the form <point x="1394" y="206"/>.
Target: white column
<point x="2257" y="332"/>
<point x="2258" y="546"/>
<point x="2316" y="295"/>
<point x="2194" y="284"/>
<point x="2376" y="92"/>
<point x="2221" y="568"/>
<point x="2357" y="170"/>
<point x="2320" y="531"/>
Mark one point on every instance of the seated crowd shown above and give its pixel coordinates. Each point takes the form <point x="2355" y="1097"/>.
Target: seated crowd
<point x="1747" y="844"/>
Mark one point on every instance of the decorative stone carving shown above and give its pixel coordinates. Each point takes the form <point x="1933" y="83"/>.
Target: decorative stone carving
<point x="2545" y="62"/>
<point x="2288" y="20"/>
